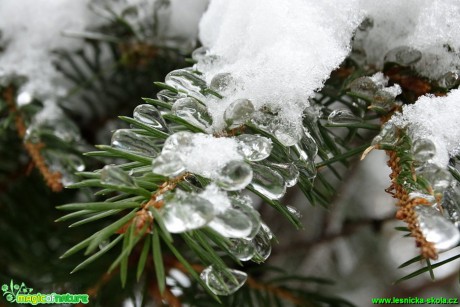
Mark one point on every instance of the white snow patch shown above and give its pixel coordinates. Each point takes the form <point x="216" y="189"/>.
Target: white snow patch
<point x="427" y="25"/>
<point x="436" y="119"/>
<point x="279" y="52"/>
<point x="31" y="30"/>
<point x="217" y="197"/>
<point x="208" y="155"/>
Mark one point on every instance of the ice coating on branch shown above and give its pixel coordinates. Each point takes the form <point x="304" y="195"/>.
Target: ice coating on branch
<point x="430" y="26"/>
<point x="277" y="52"/>
<point x="31" y="30"/>
<point x="217" y="197"/>
<point x="436" y="119"/>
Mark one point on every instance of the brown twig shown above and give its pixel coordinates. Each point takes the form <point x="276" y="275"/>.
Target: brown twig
<point x="52" y="179"/>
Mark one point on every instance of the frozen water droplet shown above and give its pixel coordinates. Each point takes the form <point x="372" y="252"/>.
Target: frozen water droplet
<point x="449" y="79"/>
<point x="238" y="112"/>
<point x="437" y="229"/>
<point x="288" y="171"/>
<point x="403" y="55"/>
<point x="222" y="83"/>
<point x="343" y="117"/>
<point x="423" y="150"/>
<point x="262" y="244"/>
<point x="244" y="205"/>
<point x="185" y="80"/>
<point x="451" y="205"/>
<point x="75" y="162"/>
<point x="242" y="249"/>
<point x="254" y="147"/>
<point x="113" y="175"/>
<point x="307" y="169"/>
<point x="268" y="232"/>
<point x="62" y="128"/>
<point x="387" y="136"/>
<point x="149" y="115"/>
<point x="104" y="244"/>
<point x="168" y="164"/>
<point x="178" y="141"/>
<point x="232" y="223"/>
<point x="383" y="101"/>
<point x="287" y="133"/>
<point x="223" y="281"/>
<point x="200" y="53"/>
<point x="169" y="97"/>
<point x="126" y="139"/>
<point x="235" y="175"/>
<point x="186" y="211"/>
<point x="364" y="87"/>
<point x="268" y="182"/>
<point x="294" y="211"/>
<point x="24" y="98"/>
<point x="192" y="111"/>
<point x="438" y="177"/>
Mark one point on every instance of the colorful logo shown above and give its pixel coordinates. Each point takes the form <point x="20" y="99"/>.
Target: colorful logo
<point x="21" y="294"/>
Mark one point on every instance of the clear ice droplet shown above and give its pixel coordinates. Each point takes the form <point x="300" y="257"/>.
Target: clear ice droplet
<point x="403" y="55"/>
<point x="423" y="150"/>
<point x="436" y="228"/>
<point x="288" y="171"/>
<point x="149" y="115"/>
<point x="169" y="96"/>
<point x="113" y="175"/>
<point x="168" y="164"/>
<point x="268" y="182"/>
<point x="343" y="116"/>
<point x="235" y="175"/>
<point x="192" y="111"/>
<point x="254" y="147"/>
<point x="179" y="141"/>
<point x="126" y="139"/>
<point x="232" y="223"/>
<point x="222" y="83"/>
<point x="243" y="249"/>
<point x="364" y="87"/>
<point x="223" y="281"/>
<point x="387" y="136"/>
<point x="262" y="244"/>
<point x="186" y="211"/>
<point x="439" y="178"/>
<point x="238" y="113"/>
<point x="185" y="80"/>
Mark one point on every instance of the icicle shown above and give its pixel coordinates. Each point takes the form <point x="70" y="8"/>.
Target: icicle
<point x="223" y="281"/>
